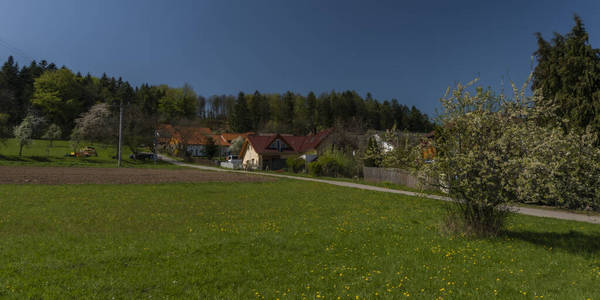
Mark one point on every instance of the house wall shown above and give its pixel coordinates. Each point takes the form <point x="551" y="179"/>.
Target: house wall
<point x="251" y="156"/>
<point x="325" y="145"/>
<point x="195" y="150"/>
<point x="276" y="161"/>
<point x="198" y="150"/>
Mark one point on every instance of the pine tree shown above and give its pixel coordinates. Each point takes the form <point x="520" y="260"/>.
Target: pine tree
<point x="211" y="147"/>
<point x="311" y="106"/>
<point x="373" y="155"/>
<point x="568" y="77"/>
<point x="255" y="110"/>
<point x="287" y="110"/>
<point x="10" y="92"/>
<point x="241" y="121"/>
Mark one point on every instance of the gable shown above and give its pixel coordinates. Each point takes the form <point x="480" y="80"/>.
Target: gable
<point x="279" y="145"/>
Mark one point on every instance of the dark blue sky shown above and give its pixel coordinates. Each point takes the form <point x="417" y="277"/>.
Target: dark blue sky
<point x="408" y="50"/>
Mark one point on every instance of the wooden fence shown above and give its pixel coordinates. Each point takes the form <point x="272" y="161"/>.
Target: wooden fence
<point x="391" y="175"/>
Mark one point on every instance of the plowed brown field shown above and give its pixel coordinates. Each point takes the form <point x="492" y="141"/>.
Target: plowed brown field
<point x="65" y="175"/>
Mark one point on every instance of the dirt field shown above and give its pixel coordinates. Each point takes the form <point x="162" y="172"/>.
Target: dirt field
<point x="58" y="175"/>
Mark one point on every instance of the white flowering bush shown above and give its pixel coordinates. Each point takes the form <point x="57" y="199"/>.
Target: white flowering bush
<point x="560" y="169"/>
<point x="490" y="151"/>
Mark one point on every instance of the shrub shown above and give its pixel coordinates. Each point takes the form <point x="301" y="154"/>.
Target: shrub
<point x="491" y="151"/>
<point x="295" y="164"/>
<point x="211" y="147"/>
<point x="404" y="152"/>
<point x="373" y="155"/>
<point x="334" y="163"/>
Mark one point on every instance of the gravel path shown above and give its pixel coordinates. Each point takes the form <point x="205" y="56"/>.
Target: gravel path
<point x="546" y="213"/>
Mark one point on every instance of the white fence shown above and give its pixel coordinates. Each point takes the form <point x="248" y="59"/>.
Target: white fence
<point x="236" y="165"/>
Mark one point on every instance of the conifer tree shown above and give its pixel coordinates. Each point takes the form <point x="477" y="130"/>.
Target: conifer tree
<point x="373" y="155"/>
<point x="568" y="77"/>
<point x="241" y="121"/>
<point x="311" y="106"/>
<point x="255" y="110"/>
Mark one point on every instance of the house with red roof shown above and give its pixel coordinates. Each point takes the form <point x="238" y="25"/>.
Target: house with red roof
<point x="270" y="152"/>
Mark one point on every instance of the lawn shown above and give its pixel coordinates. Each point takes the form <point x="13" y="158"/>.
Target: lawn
<point x="39" y="154"/>
<point x="284" y="239"/>
<point x="388" y="185"/>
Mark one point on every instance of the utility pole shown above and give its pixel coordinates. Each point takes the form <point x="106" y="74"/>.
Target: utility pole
<point x="155" y="142"/>
<point x="120" y="133"/>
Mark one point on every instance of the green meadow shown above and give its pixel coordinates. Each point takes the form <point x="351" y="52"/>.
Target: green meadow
<point x="275" y="240"/>
<point x="38" y="153"/>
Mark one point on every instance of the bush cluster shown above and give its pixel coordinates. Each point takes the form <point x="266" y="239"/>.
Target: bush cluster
<point x="334" y="163"/>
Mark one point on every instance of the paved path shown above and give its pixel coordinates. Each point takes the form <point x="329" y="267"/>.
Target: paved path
<point x="547" y="213"/>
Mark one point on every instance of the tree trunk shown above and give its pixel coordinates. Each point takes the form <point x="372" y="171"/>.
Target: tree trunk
<point x="20" y="149"/>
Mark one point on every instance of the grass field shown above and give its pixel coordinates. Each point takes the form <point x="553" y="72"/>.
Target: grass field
<point x="39" y="154"/>
<point x="388" y="185"/>
<point x="285" y="239"/>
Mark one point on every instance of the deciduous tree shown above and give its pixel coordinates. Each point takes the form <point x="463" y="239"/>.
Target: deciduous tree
<point x="58" y="93"/>
<point x="52" y="133"/>
<point x="24" y="131"/>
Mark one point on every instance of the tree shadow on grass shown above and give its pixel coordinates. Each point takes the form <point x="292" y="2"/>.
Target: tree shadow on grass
<point x="586" y="244"/>
<point x="11" y="158"/>
<point x="39" y="158"/>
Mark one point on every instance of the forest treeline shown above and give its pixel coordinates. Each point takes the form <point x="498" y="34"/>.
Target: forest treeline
<point x="301" y="114"/>
<point x="60" y="96"/>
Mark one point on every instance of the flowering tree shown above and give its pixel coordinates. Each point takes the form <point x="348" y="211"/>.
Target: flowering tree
<point x="24" y="131"/>
<point x="491" y="151"/>
<point x="52" y="133"/>
<point x="97" y="124"/>
<point x="236" y="145"/>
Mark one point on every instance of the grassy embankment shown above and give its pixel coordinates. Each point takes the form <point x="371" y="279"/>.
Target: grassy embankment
<point x="39" y="154"/>
<point x="285" y="239"/>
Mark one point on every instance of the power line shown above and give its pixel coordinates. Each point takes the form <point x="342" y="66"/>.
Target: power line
<point x="14" y="50"/>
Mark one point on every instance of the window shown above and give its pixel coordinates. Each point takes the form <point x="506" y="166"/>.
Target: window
<point x="278" y="145"/>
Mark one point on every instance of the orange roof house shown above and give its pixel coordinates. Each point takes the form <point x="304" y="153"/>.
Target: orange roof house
<point x="194" y="139"/>
<point x="229" y="137"/>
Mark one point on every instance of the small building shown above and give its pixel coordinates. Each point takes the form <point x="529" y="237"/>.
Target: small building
<point x="270" y="152"/>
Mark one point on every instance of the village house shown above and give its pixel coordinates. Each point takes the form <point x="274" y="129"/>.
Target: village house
<point x="163" y="135"/>
<point x="194" y="139"/>
<point x="270" y="152"/>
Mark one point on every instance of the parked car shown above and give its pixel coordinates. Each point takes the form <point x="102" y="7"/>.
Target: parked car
<point x="142" y="156"/>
